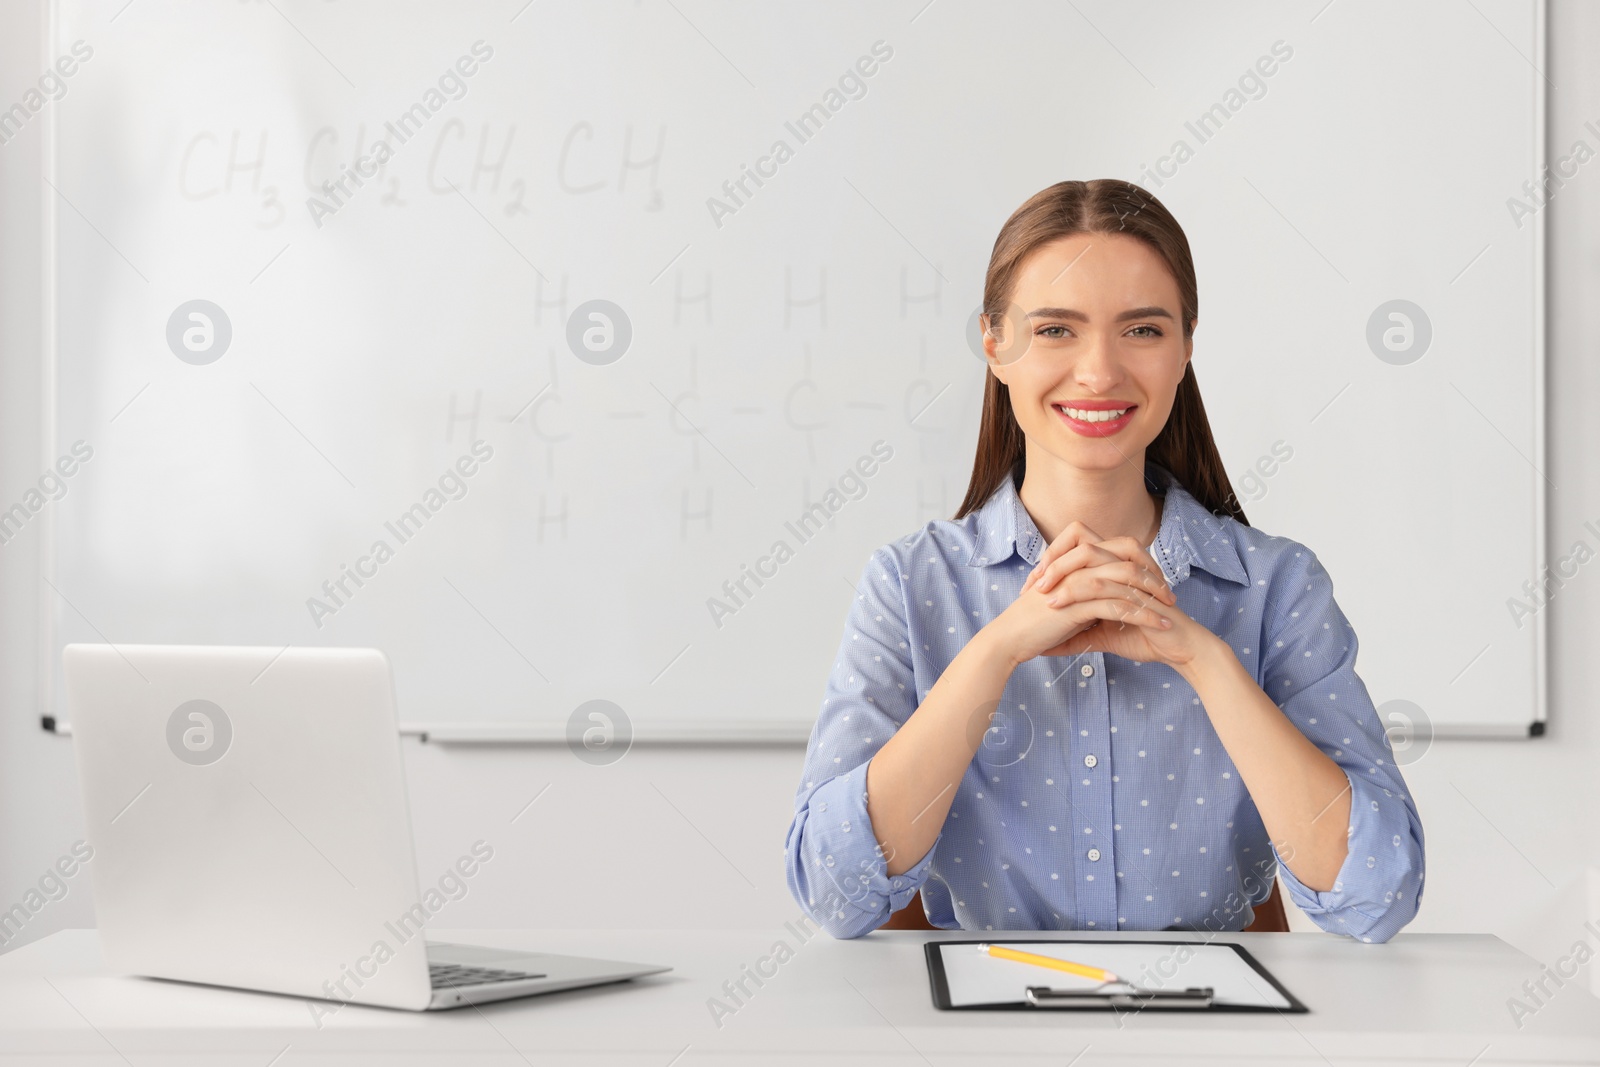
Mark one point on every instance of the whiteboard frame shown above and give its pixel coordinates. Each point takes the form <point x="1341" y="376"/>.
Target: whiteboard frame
<point x="1541" y="666"/>
<point x="793" y="732"/>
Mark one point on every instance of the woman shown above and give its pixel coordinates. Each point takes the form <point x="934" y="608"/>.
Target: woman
<point x="1097" y="698"/>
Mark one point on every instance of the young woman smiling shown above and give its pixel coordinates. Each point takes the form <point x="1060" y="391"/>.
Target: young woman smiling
<point x="1098" y="698"/>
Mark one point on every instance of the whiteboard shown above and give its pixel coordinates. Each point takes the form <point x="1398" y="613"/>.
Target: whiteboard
<point x="756" y="339"/>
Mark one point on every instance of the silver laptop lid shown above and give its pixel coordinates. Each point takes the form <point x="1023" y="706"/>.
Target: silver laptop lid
<point x="247" y="808"/>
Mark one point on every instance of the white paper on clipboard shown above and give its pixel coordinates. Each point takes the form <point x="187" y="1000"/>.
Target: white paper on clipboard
<point x="975" y="977"/>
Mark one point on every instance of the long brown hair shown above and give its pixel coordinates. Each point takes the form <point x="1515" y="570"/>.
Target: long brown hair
<point x="1184" y="446"/>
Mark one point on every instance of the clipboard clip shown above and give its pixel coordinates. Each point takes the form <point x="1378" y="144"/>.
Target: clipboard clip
<point x="1121" y="995"/>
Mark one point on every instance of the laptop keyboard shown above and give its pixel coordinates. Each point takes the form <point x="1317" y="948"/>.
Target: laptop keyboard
<point x="454" y="974"/>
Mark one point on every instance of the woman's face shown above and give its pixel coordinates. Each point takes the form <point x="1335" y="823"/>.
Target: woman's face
<point x="1095" y="324"/>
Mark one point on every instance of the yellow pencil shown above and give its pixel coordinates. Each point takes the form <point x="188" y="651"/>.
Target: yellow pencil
<point x="1081" y="969"/>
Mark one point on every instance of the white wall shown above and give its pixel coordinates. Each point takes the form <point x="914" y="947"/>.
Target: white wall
<point x="692" y="838"/>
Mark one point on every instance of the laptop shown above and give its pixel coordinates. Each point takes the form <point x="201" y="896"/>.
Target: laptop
<point x="247" y="809"/>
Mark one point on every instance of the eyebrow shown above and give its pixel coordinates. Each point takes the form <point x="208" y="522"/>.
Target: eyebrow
<point x="1078" y="316"/>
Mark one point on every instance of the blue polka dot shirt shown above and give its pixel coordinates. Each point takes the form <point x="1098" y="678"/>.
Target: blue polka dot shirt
<point x="1100" y="798"/>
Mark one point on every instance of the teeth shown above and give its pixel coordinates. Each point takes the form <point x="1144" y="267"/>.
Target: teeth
<point x="1093" y="416"/>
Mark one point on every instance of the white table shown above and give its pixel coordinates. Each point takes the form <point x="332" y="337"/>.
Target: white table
<point x="1432" y="998"/>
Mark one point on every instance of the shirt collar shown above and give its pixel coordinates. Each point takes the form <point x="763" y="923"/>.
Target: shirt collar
<point x="1189" y="536"/>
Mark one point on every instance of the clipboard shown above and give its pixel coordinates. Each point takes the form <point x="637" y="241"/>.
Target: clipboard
<point x="971" y="983"/>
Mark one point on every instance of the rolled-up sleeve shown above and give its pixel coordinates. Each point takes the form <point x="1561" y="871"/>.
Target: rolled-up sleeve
<point x="836" y="869"/>
<point x="1310" y="672"/>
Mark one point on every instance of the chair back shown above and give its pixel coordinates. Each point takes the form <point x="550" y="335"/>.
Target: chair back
<point x="1269" y="918"/>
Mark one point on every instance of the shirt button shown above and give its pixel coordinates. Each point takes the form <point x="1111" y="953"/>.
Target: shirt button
<point x="1086" y="670"/>
<point x="1094" y="855"/>
<point x="1090" y="760"/>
